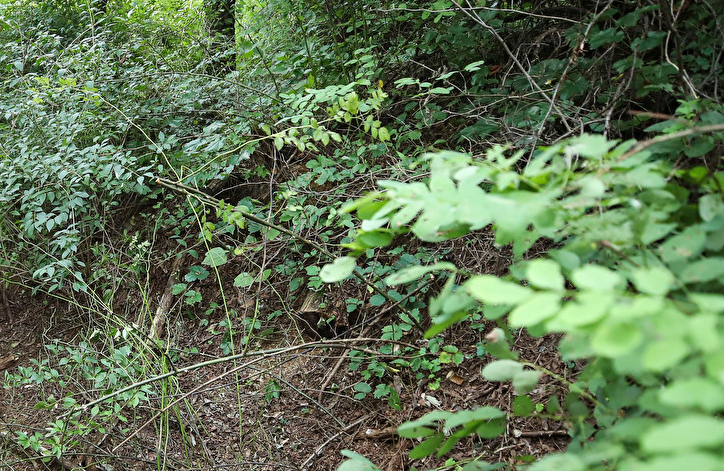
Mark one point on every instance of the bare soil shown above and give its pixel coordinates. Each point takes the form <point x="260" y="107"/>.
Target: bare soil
<point x="262" y="412"/>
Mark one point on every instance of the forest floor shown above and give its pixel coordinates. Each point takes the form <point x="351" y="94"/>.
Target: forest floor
<point x="288" y="409"/>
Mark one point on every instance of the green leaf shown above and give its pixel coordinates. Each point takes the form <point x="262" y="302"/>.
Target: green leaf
<point x="664" y="354"/>
<point x="243" y="280"/>
<point x="708" y="301"/>
<point x="535" y="309"/>
<point x="473" y="66"/>
<point x="694" y="392"/>
<point x="685" y="245"/>
<point x="559" y="462"/>
<point x="465" y="416"/>
<point x="587" y="308"/>
<point x="710" y="206"/>
<point x="703" y="270"/>
<point x="338" y="270"/>
<point x="595" y="278"/>
<point x="545" y="274"/>
<point x="525" y="381"/>
<point x="686" y="433"/>
<point x="656" y="280"/>
<point x="442" y="322"/>
<point x="409" y="274"/>
<point x="523" y="406"/>
<point x="376" y="238"/>
<point x="377" y="300"/>
<point x="367" y="209"/>
<point x="414" y="430"/>
<point x="356" y="462"/>
<point x="196" y="273"/>
<point x="614" y="339"/>
<point x="491" y="289"/>
<point x="491" y="429"/>
<point x="427" y="447"/>
<point x="178" y="288"/>
<point x="215" y="257"/>
<point x="502" y="370"/>
<point x="684" y="461"/>
<point x="383" y="134"/>
<point x="480" y="466"/>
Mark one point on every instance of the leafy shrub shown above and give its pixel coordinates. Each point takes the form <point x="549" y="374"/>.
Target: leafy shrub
<point x="634" y="282"/>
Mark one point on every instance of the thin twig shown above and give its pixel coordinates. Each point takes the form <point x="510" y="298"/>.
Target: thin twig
<point x="210" y="200"/>
<point x="668" y="137"/>
<point x="515" y="60"/>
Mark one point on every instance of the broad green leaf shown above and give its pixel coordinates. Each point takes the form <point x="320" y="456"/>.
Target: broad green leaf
<point x="409" y="274"/>
<point x="685" y="245"/>
<point x="708" y="301"/>
<point x="664" y="354"/>
<point x="196" y="273"/>
<point x="689" y="432"/>
<point x="491" y="289"/>
<point x="703" y="270"/>
<point x="376" y="238"/>
<point x="535" y="309"/>
<point x="567" y="259"/>
<point x="243" y="280"/>
<point x="656" y="280"/>
<point x="465" y="416"/>
<point x="356" y="462"/>
<point x="496" y="311"/>
<point x="595" y="278"/>
<point x="694" y="392"/>
<point x="443" y="321"/>
<point x="636" y="306"/>
<point x="420" y="427"/>
<point x="338" y="270"/>
<point x="525" y="381"/>
<point x="587" y="308"/>
<point x="414" y="430"/>
<point x="406" y="214"/>
<point x="545" y="274"/>
<point x="710" y="206"/>
<point x="480" y="466"/>
<point x="368" y="210"/>
<point x="559" y="462"/>
<point x="427" y="447"/>
<point x="679" y="462"/>
<point x="472" y="205"/>
<point x="614" y="339"/>
<point x="502" y="370"/>
<point x="592" y="146"/>
<point x="383" y="134"/>
<point x="703" y="330"/>
<point x="523" y="406"/>
<point x="491" y="429"/>
<point x="215" y="257"/>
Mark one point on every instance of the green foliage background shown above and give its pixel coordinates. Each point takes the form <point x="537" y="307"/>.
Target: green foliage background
<point x="593" y="129"/>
